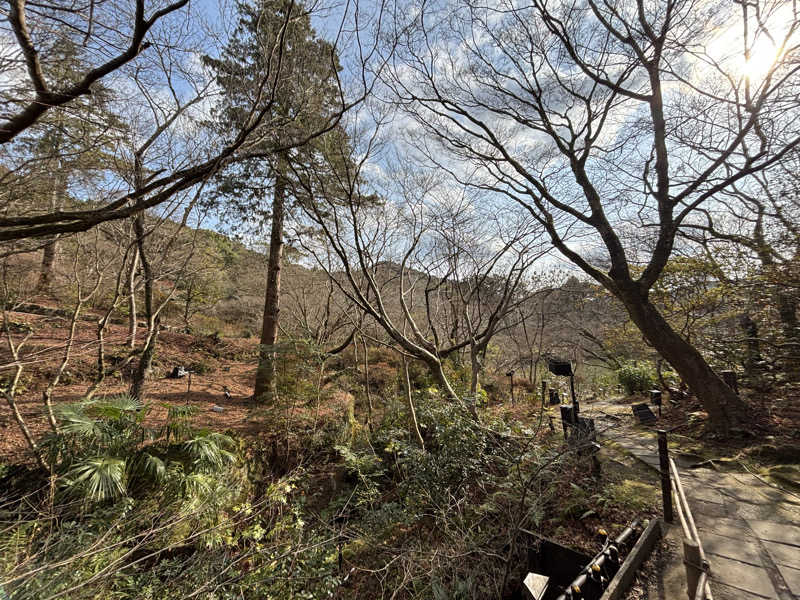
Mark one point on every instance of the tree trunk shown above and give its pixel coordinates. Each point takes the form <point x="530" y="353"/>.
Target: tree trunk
<point x="752" y="353"/>
<point x="787" y="310"/>
<point x="132" y="317"/>
<point x="266" y="380"/>
<point x="475" y="364"/>
<point x="142" y="371"/>
<point x="725" y="409"/>
<point x="187" y="308"/>
<point x="412" y="413"/>
<point x="143" y="368"/>
<point x="366" y="384"/>
<point x="50" y="254"/>
<point x="437" y="371"/>
<point x="45" y="282"/>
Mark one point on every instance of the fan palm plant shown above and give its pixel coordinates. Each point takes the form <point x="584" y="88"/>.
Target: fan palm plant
<point x="104" y="451"/>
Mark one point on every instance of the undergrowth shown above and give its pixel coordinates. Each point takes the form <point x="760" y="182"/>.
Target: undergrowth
<point x="132" y="511"/>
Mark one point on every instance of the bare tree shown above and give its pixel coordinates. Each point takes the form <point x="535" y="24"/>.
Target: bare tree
<point x="259" y="119"/>
<point x="317" y="312"/>
<point x="89" y="265"/>
<point x="755" y="222"/>
<point x="611" y="123"/>
<point x="10" y="385"/>
<point x="402" y="261"/>
<point x="486" y="253"/>
<point x="170" y="148"/>
<point x="108" y="32"/>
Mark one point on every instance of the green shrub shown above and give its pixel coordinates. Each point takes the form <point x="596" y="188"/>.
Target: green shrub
<point x="636" y="377"/>
<point x="158" y="513"/>
<point x="104" y="452"/>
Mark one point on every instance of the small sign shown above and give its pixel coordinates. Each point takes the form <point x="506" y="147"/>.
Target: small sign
<point x="655" y="397"/>
<point x="536" y="586"/>
<point x="560" y="367"/>
<point x="643" y="413"/>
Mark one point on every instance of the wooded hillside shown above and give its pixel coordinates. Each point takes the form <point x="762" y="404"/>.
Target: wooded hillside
<point x="319" y="300"/>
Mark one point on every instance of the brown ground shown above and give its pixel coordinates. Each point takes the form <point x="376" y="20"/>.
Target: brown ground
<point x="229" y="362"/>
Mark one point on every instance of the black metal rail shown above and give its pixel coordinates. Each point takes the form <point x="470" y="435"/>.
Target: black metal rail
<point x="594" y="578"/>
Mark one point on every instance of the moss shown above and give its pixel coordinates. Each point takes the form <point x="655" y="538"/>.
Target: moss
<point x="634" y="495"/>
<point x="787" y="476"/>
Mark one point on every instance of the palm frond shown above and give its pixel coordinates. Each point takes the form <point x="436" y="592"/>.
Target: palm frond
<point x="209" y="450"/>
<point x="197" y="485"/>
<point x="178" y="426"/>
<point x="150" y="467"/>
<point x="117" y="407"/>
<point x="75" y="421"/>
<point x="98" y="478"/>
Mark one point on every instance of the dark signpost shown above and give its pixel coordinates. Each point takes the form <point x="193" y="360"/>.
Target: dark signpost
<point x="655" y="399"/>
<point x="578" y="430"/>
<point x="563" y="368"/>
<point x="566" y="418"/>
<point x="554" y="397"/>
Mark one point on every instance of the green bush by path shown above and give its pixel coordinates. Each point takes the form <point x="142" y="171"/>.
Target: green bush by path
<point x="637" y="377"/>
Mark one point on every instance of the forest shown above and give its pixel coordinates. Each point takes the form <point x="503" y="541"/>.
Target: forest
<point x="295" y="293"/>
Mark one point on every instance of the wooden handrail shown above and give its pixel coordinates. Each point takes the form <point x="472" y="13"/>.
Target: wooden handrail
<point x="703" y="591"/>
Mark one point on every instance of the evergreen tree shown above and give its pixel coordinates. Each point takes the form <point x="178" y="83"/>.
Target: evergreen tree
<point x="262" y="185"/>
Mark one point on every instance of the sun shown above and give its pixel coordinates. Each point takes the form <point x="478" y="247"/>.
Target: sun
<point x="764" y="55"/>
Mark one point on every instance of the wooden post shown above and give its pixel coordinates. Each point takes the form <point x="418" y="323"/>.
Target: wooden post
<point x="597" y="469"/>
<point x="544" y="392"/>
<point x="188" y="387"/>
<point x="666" y="488"/>
<point x="575" y="407"/>
<point x="691" y="559"/>
<point x="554" y="396"/>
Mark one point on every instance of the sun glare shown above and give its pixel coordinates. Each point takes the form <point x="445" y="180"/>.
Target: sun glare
<point x="767" y="41"/>
<point x="763" y="56"/>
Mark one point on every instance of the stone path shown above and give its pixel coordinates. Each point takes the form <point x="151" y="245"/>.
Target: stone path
<point x="750" y="531"/>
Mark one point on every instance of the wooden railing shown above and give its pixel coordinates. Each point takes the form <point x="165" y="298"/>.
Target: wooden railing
<point x="693" y="555"/>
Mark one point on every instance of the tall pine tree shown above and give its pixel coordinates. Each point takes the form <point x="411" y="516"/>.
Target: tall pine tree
<point x="260" y="186"/>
